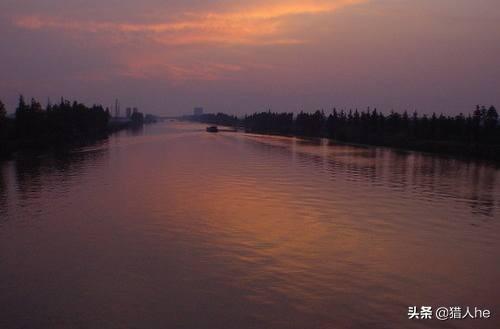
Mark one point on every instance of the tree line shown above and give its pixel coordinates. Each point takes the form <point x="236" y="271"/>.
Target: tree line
<point x="476" y="134"/>
<point x="221" y="119"/>
<point x="57" y="124"/>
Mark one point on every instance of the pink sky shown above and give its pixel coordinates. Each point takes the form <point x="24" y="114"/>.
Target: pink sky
<point x="166" y="57"/>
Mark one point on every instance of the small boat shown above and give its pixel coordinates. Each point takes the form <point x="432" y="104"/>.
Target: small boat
<point x="212" y="129"/>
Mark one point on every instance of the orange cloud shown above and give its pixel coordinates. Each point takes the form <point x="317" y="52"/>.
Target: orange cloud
<point x="253" y="25"/>
<point x="155" y="68"/>
<point x="256" y="23"/>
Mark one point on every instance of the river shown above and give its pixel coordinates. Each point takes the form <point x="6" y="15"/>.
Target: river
<point x="174" y="227"/>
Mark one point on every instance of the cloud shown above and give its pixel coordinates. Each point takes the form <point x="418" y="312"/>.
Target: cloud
<point x="257" y="24"/>
<point x="181" y="72"/>
<point x="185" y="45"/>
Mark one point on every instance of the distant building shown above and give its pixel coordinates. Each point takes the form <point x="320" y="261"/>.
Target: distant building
<point x="117" y="108"/>
<point x="198" y="111"/>
<point x="129" y="112"/>
<point x="135" y="110"/>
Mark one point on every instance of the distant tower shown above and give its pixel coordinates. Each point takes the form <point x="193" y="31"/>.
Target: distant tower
<point x="197" y="111"/>
<point x="117" y="108"/>
<point x="135" y="110"/>
<point x="129" y="112"/>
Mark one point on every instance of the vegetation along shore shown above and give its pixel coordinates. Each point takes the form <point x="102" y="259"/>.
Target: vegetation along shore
<point x="475" y="135"/>
<point x="58" y="125"/>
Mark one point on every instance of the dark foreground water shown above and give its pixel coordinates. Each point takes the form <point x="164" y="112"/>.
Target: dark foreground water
<point x="173" y="227"/>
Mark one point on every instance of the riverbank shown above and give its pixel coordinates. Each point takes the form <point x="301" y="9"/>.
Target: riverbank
<point x="9" y="147"/>
<point x="474" y="136"/>
<point x="445" y="148"/>
<point x="60" y="126"/>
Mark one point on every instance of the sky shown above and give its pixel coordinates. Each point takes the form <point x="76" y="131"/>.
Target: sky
<point x="168" y="56"/>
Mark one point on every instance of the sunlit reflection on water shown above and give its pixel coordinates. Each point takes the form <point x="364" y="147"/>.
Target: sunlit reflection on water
<point x="173" y="227"/>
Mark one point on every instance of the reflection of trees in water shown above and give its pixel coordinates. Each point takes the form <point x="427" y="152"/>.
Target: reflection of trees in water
<point x="482" y="190"/>
<point x="432" y="177"/>
<point x="135" y="130"/>
<point x="425" y="175"/>
<point x="3" y="190"/>
<point x="28" y="173"/>
<point x="132" y="131"/>
<point x="33" y="170"/>
<point x="473" y="182"/>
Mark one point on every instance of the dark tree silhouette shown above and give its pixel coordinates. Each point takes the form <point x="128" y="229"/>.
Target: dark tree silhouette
<point x="216" y="119"/>
<point x="476" y="135"/>
<point x="64" y="123"/>
<point x="137" y="118"/>
<point x="3" y="111"/>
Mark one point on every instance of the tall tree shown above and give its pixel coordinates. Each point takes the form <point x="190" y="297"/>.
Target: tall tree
<point x="22" y="104"/>
<point x="491" y="119"/>
<point x="3" y="112"/>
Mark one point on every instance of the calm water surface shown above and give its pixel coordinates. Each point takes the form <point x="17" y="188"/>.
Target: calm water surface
<point x="172" y="227"/>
